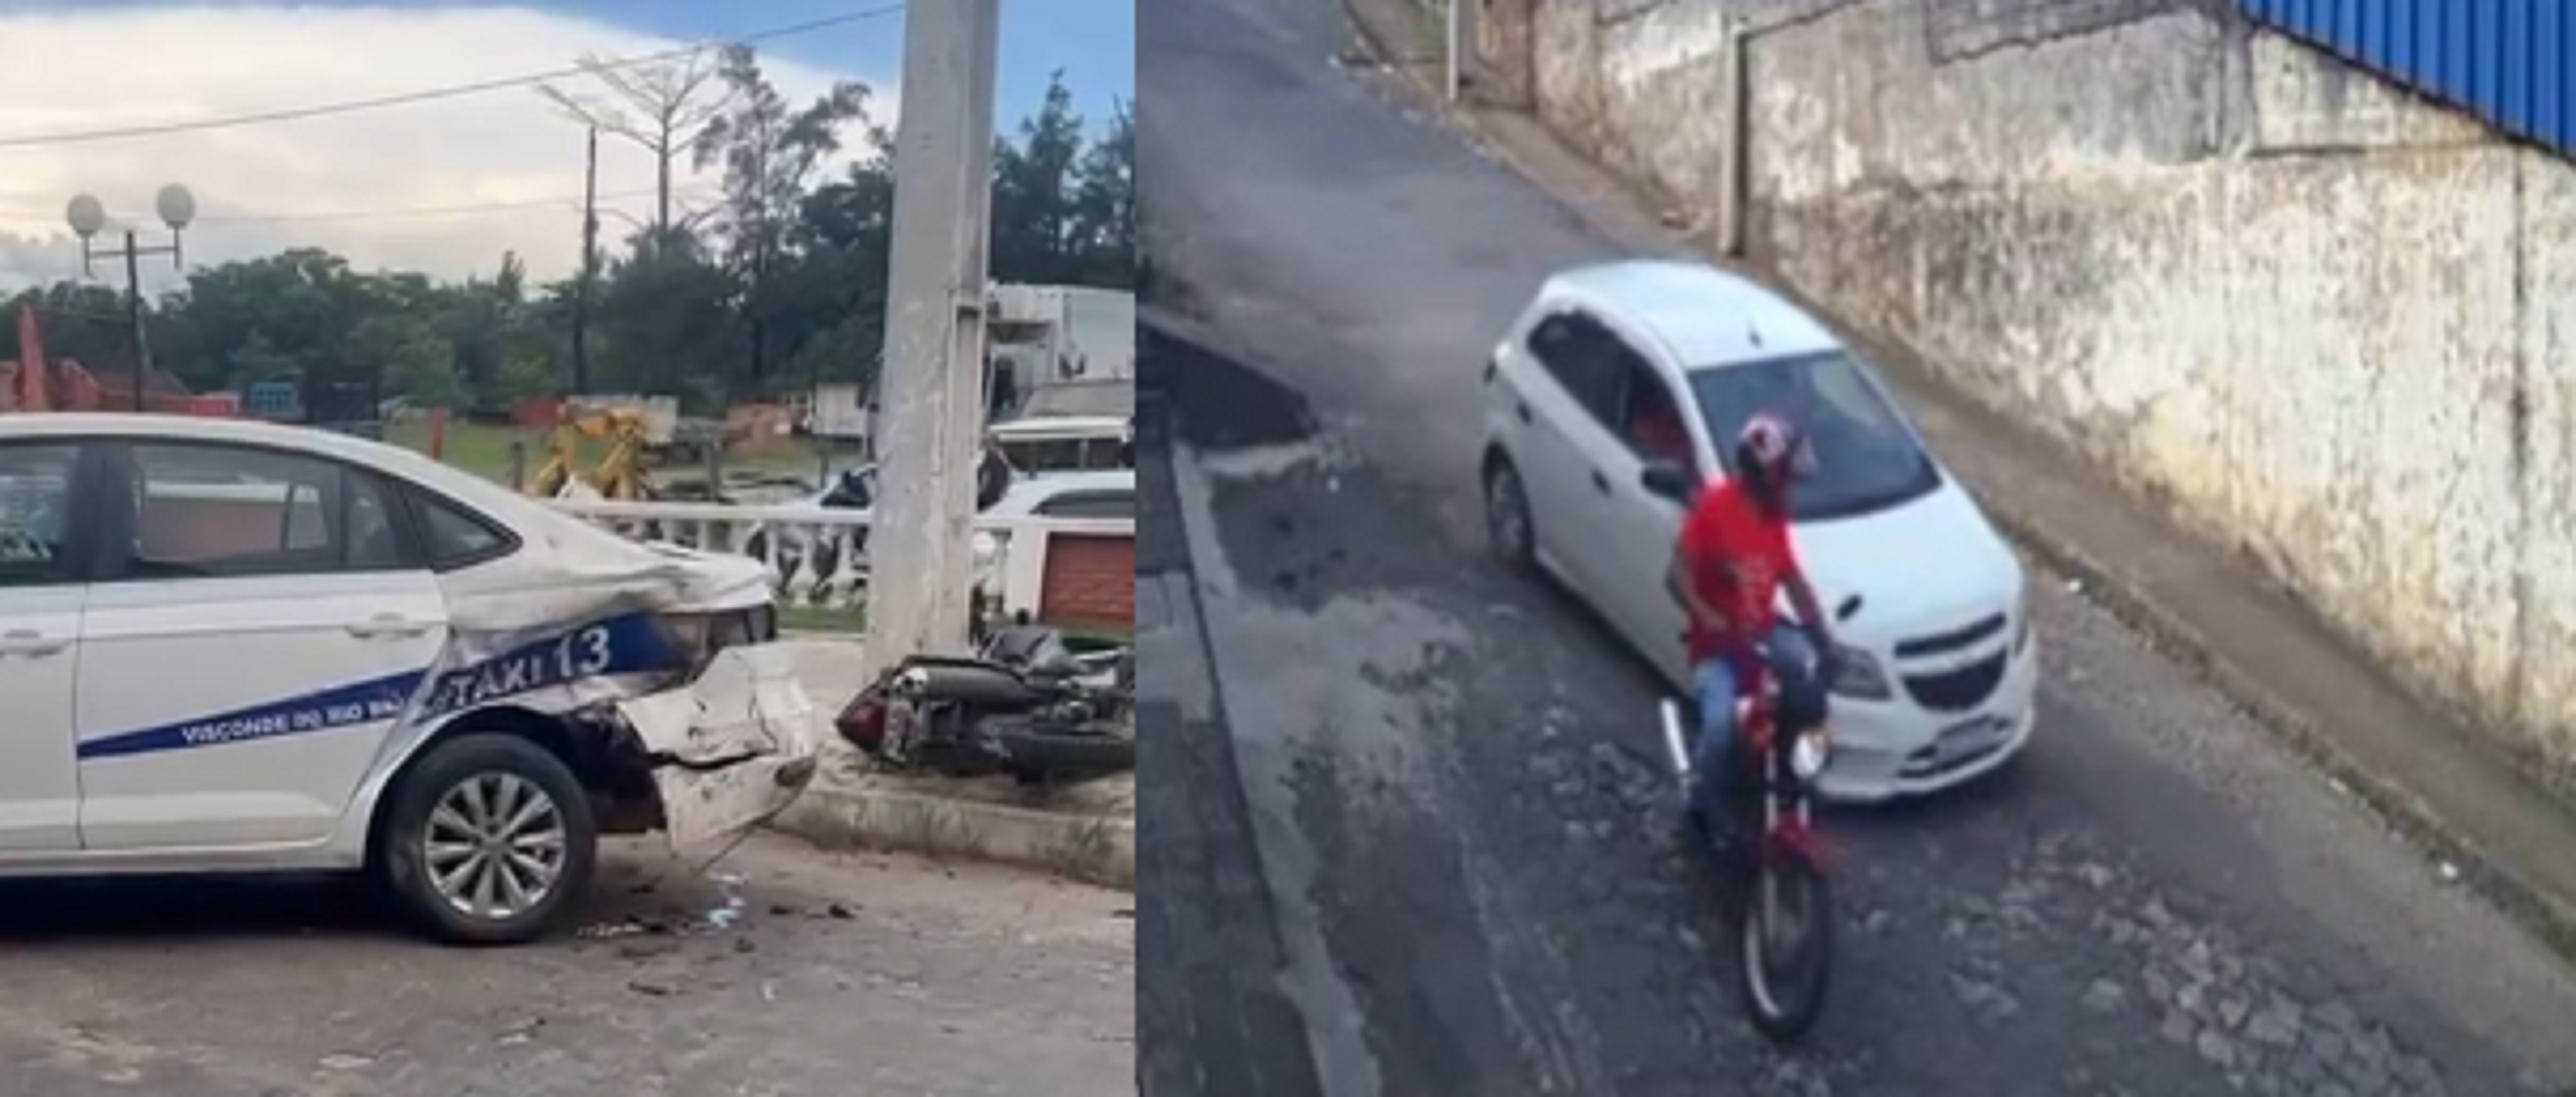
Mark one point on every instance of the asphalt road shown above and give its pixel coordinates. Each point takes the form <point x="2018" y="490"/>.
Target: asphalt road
<point x="784" y="971"/>
<point x="1445" y="861"/>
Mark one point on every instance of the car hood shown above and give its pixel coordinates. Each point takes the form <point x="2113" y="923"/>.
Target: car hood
<point x="1931" y="564"/>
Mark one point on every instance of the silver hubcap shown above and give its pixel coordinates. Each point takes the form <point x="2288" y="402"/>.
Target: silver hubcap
<point x="494" y="846"/>
<point x="1504" y="511"/>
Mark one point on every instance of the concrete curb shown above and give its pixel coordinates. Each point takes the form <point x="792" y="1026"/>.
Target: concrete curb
<point x="2548" y="914"/>
<point x="1089" y="848"/>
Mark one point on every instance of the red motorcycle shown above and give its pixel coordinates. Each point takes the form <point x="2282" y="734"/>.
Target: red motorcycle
<point x="1776" y="860"/>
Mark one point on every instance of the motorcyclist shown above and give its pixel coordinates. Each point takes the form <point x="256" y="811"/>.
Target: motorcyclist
<point x="1731" y="562"/>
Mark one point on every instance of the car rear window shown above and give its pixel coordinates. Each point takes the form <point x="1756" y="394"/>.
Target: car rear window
<point x="455" y="537"/>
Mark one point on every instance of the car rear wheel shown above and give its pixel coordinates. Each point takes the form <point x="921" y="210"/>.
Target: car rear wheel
<point x="1507" y="516"/>
<point x="489" y="840"/>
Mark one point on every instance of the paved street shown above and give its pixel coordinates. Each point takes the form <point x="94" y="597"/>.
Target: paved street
<point x="785" y="971"/>
<point x="1443" y="864"/>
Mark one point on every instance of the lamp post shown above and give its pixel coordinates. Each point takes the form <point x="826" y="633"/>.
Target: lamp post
<point x="177" y="207"/>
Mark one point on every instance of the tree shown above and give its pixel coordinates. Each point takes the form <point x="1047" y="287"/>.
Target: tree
<point x="1105" y="204"/>
<point x="791" y="266"/>
<point x="410" y="357"/>
<point x="664" y="322"/>
<point x="832" y="291"/>
<point x="1035" y="206"/>
<point x="664" y="107"/>
<point x="768" y="152"/>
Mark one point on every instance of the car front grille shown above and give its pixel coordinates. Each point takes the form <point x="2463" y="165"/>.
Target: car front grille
<point x="1965" y="636"/>
<point x="1960" y="689"/>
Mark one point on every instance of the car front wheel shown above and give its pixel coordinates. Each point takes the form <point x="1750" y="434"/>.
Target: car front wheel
<point x="1507" y="516"/>
<point x="489" y="841"/>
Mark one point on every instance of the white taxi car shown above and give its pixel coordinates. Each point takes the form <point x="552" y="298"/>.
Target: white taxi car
<point x="1620" y="391"/>
<point x="232" y="646"/>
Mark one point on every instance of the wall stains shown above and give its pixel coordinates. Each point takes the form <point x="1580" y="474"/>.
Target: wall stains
<point x="2359" y="368"/>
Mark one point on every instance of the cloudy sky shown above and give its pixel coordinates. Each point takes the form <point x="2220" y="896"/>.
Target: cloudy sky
<point x="384" y="187"/>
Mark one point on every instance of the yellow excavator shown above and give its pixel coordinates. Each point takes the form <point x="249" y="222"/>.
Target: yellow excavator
<point x="620" y="475"/>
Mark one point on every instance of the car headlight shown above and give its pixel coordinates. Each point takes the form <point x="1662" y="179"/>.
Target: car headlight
<point x="1859" y="676"/>
<point x="1808" y="755"/>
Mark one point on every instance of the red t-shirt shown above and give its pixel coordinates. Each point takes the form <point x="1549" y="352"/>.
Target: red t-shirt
<point x="1727" y="526"/>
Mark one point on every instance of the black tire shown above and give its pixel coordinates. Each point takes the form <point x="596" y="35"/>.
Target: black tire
<point x="398" y="861"/>
<point x="1509" y="531"/>
<point x="1784" y="1005"/>
<point x="1036" y="754"/>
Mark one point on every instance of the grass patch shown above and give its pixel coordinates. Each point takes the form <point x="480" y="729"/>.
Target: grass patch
<point x="823" y="618"/>
<point x="1100" y="634"/>
<point x="484" y="449"/>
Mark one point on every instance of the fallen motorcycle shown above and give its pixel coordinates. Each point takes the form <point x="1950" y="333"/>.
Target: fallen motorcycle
<point x="1775" y="857"/>
<point x="1025" y="705"/>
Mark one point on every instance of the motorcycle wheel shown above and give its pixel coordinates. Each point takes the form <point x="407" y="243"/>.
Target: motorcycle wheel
<point x="1787" y="954"/>
<point x="1037" y="754"/>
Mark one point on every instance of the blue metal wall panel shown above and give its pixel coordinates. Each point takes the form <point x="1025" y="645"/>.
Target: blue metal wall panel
<point x="2507" y="61"/>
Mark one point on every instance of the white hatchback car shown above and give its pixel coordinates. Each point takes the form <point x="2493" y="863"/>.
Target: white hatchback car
<point x="1620" y="390"/>
<point x="231" y="646"/>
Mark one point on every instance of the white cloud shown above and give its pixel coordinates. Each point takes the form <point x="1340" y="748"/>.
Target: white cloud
<point x="71" y="71"/>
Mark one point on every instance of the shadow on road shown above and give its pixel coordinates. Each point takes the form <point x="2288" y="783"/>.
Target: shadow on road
<point x="102" y="910"/>
<point x="634" y="893"/>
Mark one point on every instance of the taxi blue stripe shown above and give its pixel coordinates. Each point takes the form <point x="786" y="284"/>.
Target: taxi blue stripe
<point x="628" y="644"/>
<point x="343" y="706"/>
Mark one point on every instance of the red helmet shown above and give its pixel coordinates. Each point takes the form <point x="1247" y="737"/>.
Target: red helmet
<point x="1776" y="445"/>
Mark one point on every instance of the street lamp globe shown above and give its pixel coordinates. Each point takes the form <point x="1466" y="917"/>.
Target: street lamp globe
<point x="86" y="215"/>
<point x="176" y="206"/>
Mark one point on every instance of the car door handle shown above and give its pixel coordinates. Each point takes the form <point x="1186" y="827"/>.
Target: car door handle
<point x="1600" y="481"/>
<point x="29" y="642"/>
<point x="385" y="625"/>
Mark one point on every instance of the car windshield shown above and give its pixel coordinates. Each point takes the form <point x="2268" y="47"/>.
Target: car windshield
<point x="1867" y="458"/>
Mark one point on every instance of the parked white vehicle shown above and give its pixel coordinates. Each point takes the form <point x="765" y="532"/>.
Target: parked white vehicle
<point x="233" y="646"/>
<point x="1101" y="493"/>
<point x="1940" y="668"/>
<point x="1042" y="444"/>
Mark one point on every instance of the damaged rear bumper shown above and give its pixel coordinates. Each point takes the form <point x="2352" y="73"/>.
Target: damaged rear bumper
<point x="730" y="749"/>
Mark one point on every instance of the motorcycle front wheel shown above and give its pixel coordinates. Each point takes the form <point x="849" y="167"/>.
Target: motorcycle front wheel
<point x="1787" y="935"/>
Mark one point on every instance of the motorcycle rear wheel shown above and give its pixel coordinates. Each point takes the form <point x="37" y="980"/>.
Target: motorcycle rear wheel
<point x="1038" y="753"/>
<point x="1791" y="907"/>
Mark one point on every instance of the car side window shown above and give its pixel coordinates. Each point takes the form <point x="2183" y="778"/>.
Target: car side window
<point x="209" y="511"/>
<point x="1581" y="354"/>
<point x="1090" y="504"/>
<point x="1650" y="419"/>
<point x="455" y="537"/>
<point x="35" y="513"/>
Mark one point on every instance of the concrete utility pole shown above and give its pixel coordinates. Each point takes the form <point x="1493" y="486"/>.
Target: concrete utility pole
<point x="589" y="267"/>
<point x="921" y="544"/>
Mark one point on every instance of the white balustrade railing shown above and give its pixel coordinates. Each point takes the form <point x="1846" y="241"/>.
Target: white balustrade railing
<point x="820" y="555"/>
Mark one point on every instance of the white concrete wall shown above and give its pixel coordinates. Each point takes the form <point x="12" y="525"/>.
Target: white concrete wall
<point x="2320" y="319"/>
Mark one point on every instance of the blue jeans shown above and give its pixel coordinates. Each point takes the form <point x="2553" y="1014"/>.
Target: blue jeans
<point x="1789" y="655"/>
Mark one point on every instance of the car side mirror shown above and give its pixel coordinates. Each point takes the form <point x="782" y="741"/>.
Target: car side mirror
<point x="1668" y="479"/>
<point x="1849" y="608"/>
